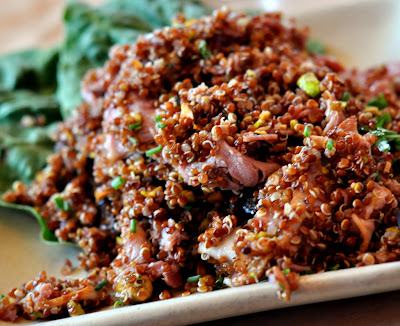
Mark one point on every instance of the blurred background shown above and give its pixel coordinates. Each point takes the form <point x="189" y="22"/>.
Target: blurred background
<point x="360" y="37"/>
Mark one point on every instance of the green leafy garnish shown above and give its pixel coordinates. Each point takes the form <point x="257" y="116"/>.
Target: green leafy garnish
<point x="133" y="226"/>
<point x="330" y="144"/>
<point x="334" y="268"/>
<point x="157" y="118"/>
<point x="135" y="126"/>
<point x="132" y="140"/>
<point x="309" y="83"/>
<point x="47" y="235"/>
<point x="386" y="139"/>
<point x="220" y="283"/>
<point x="101" y="285"/>
<point x="152" y="151"/>
<point x="117" y="182"/>
<point x="346" y="96"/>
<point x="61" y="204"/>
<point x="90" y="32"/>
<point x="193" y="279"/>
<point x="307" y="131"/>
<point x="161" y="125"/>
<point x="314" y="46"/>
<point x="203" y="49"/>
<point x="384" y="119"/>
<point x="118" y="304"/>
<point x="378" y="176"/>
<point x="380" y="102"/>
<point x="286" y="271"/>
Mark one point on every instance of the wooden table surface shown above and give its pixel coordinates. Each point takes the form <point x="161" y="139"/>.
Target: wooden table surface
<point x="32" y="23"/>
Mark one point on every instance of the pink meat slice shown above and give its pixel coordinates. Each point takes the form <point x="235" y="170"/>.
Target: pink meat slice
<point x="113" y="147"/>
<point x="236" y="168"/>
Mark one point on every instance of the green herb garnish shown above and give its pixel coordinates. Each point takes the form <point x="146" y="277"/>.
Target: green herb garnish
<point x="384" y="119"/>
<point x="380" y="102"/>
<point x="135" y="126"/>
<point x="378" y="176"/>
<point x="334" y="268"/>
<point x="314" y="46"/>
<point x="154" y="150"/>
<point x="346" y="96"/>
<point x="118" y="304"/>
<point x="101" y="285"/>
<point x="157" y="118"/>
<point x="161" y="125"/>
<point x="117" y="182"/>
<point x="309" y="83"/>
<point x="193" y="279"/>
<point x="132" y="140"/>
<point x="61" y="204"/>
<point x="286" y="271"/>
<point x="220" y="283"/>
<point x="330" y="144"/>
<point x="386" y="138"/>
<point x="307" y="131"/>
<point x="133" y="226"/>
<point x="204" y="51"/>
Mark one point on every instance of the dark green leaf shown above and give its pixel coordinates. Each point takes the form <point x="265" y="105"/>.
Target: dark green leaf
<point x="46" y="234"/>
<point x="380" y="102"/>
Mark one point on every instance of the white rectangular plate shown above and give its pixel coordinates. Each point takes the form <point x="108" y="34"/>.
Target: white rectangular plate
<point x="362" y="33"/>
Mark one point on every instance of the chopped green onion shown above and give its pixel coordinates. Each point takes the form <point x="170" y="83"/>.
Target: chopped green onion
<point x="37" y="314"/>
<point x="307" y="131"/>
<point x="259" y="123"/>
<point x="220" y="283"/>
<point x="152" y="151"/>
<point x="187" y="207"/>
<point x="346" y="96"/>
<point x="314" y="46"/>
<point x="330" y="144"/>
<point x="161" y="125"/>
<point x="383" y="145"/>
<point x="117" y="182"/>
<point x="118" y="303"/>
<point x="1" y="296"/>
<point x="380" y="102"/>
<point x="193" y="279"/>
<point x="157" y="118"/>
<point x="61" y="204"/>
<point x="335" y="268"/>
<point x="384" y="119"/>
<point x="286" y="271"/>
<point x="309" y="83"/>
<point x="133" y="226"/>
<point x="135" y="126"/>
<point x="132" y="140"/>
<point x="378" y="176"/>
<point x="101" y="285"/>
<point x="204" y="51"/>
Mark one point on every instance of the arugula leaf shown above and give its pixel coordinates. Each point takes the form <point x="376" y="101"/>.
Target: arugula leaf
<point x="30" y="69"/>
<point x="90" y="32"/>
<point x="46" y="235"/>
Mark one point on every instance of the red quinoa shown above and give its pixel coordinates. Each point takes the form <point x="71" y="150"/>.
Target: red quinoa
<point x="199" y="151"/>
